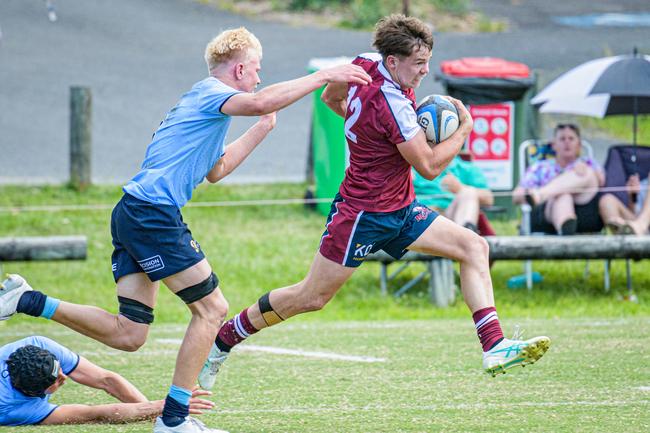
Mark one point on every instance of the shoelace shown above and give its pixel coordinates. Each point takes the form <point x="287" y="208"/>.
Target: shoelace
<point x="518" y="334"/>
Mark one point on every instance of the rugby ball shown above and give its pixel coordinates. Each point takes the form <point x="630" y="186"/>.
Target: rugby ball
<point x="438" y="118"/>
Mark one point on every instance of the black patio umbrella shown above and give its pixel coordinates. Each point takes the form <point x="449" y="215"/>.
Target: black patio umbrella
<point x="601" y="87"/>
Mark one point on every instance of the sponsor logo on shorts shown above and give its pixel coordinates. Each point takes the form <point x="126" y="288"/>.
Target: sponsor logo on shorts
<point x="194" y="244"/>
<point x="422" y="212"/>
<point x="361" y="251"/>
<point x="114" y="267"/>
<point x="152" y="264"/>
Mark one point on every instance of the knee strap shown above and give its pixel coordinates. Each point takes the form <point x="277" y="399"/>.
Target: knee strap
<point x="268" y="313"/>
<point x="199" y="291"/>
<point x="135" y="311"/>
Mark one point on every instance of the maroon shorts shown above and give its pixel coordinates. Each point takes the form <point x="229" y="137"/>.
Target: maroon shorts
<point x="351" y="234"/>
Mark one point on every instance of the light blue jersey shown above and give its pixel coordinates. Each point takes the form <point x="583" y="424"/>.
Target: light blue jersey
<point x="15" y="407"/>
<point x="185" y="147"/>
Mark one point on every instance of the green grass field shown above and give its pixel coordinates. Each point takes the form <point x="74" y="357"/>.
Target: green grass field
<point x="596" y="376"/>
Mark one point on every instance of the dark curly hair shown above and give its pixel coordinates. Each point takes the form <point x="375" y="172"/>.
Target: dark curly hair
<point x="399" y="35"/>
<point x="31" y="370"/>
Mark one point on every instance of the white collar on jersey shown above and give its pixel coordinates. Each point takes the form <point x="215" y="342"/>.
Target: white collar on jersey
<point x="386" y="74"/>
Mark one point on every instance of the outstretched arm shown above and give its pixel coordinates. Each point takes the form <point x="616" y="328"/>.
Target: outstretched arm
<point x="119" y="413"/>
<point x="280" y="95"/>
<point x="238" y="150"/>
<point x="115" y="413"/>
<point x="94" y="376"/>
<point x="134" y="406"/>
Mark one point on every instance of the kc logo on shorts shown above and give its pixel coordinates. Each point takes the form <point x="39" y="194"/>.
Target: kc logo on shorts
<point x="152" y="264"/>
<point x="362" y="250"/>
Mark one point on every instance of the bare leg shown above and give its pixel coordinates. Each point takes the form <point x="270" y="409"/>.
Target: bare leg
<point x="114" y="330"/>
<point x="465" y="207"/>
<point x="447" y="239"/>
<point x="559" y="209"/>
<point x="207" y="316"/>
<point x="323" y="280"/>
<point x="568" y="183"/>
<point x="613" y="211"/>
<point x="642" y="221"/>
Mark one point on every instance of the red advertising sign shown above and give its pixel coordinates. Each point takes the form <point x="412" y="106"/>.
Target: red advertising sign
<point x="491" y="142"/>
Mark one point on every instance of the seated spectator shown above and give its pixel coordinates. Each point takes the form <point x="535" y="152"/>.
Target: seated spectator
<point x="458" y="193"/>
<point x="633" y="218"/>
<point x="563" y="190"/>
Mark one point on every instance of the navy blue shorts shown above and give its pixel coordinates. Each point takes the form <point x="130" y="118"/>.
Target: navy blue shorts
<point x="351" y="234"/>
<point x="151" y="238"/>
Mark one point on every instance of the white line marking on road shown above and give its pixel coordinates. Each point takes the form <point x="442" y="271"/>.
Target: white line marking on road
<point x="294" y="352"/>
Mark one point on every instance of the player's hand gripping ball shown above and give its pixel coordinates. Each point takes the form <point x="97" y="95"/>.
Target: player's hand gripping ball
<point x="438" y="118"/>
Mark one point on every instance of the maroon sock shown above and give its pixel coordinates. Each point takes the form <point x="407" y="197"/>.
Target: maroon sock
<point x="234" y="331"/>
<point x="488" y="327"/>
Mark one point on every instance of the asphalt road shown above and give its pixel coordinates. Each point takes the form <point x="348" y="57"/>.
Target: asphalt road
<point x="139" y="56"/>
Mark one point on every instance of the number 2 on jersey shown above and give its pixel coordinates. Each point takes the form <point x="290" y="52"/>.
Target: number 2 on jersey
<point x="354" y="105"/>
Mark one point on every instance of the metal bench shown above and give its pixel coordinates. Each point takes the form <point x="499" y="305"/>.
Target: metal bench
<point x="442" y="288"/>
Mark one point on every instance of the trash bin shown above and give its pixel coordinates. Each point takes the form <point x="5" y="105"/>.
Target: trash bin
<point x="328" y="148"/>
<point x="497" y="93"/>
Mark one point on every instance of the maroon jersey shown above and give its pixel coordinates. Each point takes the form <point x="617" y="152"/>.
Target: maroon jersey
<point x="379" y="116"/>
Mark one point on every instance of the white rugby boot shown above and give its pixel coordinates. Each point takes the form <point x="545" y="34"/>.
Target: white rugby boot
<point x="208" y="373"/>
<point x="511" y="353"/>
<point x="11" y="289"/>
<point x="190" y="425"/>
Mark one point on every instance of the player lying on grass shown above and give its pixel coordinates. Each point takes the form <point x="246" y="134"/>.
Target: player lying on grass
<point x="376" y="207"/>
<point x="34" y="368"/>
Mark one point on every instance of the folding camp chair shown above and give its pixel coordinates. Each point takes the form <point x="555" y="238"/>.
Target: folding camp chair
<point x="624" y="160"/>
<point x="531" y="151"/>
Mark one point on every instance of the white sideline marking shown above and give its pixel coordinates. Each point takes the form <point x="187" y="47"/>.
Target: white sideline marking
<point x="644" y="388"/>
<point x="462" y="406"/>
<point x="321" y="355"/>
<point x="295" y="352"/>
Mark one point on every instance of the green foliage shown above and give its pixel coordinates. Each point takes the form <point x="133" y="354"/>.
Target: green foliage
<point x="366" y="14"/>
<point x="313" y="5"/>
<point x="456" y="7"/>
<point x="621" y="127"/>
<point x="363" y="14"/>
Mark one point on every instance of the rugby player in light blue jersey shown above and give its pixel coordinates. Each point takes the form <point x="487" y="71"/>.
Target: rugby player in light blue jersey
<point x="34" y="368"/>
<point x="152" y="243"/>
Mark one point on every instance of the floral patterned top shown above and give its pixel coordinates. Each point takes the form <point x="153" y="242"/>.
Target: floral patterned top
<point x="542" y="172"/>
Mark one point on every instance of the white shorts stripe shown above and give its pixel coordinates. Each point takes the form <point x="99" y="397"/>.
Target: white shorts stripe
<point x="354" y="228"/>
<point x="327" y="227"/>
<point x="490" y="317"/>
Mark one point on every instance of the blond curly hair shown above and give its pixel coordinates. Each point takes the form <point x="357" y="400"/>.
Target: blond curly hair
<point x="229" y="44"/>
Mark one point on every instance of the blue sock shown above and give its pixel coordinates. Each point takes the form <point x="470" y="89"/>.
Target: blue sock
<point x="177" y="406"/>
<point x="35" y="303"/>
<point x="51" y="304"/>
